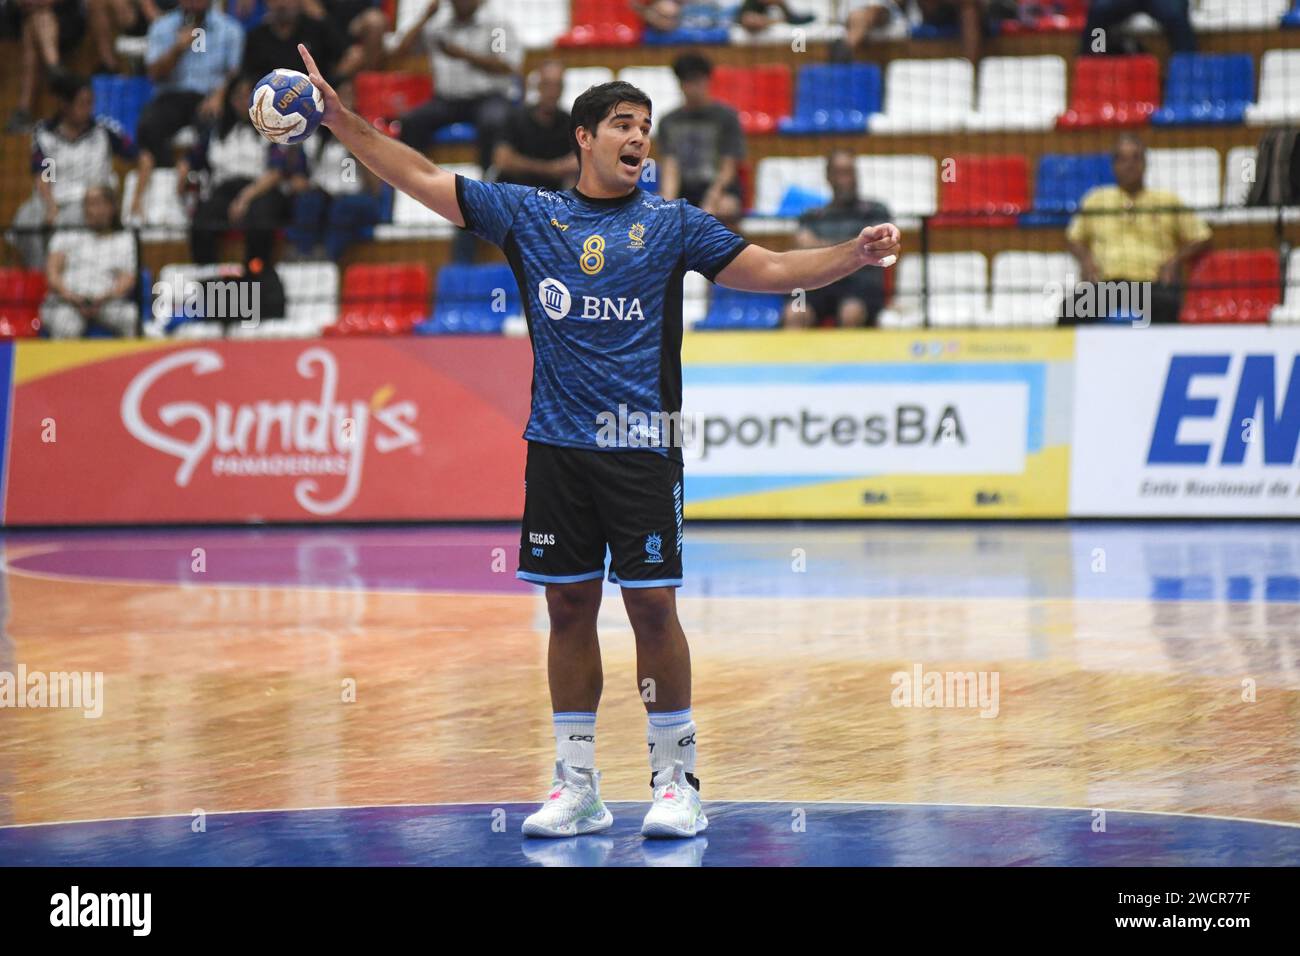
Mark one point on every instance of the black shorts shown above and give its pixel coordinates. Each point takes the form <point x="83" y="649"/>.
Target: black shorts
<point x="578" y="503"/>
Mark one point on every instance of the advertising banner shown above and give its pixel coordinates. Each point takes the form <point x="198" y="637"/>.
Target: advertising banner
<point x="1186" y="422"/>
<point x="838" y="424"/>
<point x="328" y="430"/>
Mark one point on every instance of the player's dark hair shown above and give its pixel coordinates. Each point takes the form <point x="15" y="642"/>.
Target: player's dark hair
<point x="692" y="66"/>
<point x="597" y="103"/>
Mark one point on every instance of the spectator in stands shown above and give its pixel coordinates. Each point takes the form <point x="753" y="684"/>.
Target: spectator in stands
<point x="894" y="19"/>
<point x="245" y="175"/>
<point x="536" y="148"/>
<point x="47" y="29"/>
<point x="475" y="62"/>
<point x="701" y="145"/>
<point x="92" y="273"/>
<point x="856" y="300"/>
<point x="882" y="19"/>
<point x="1172" y="15"/>
<point x="1127" y="232"/>
<point x="109" y="19"/>
<point x="336" y="200"/>
<point x="365" y="25"/>
<point x="659" y="14"/>
<point x="190" y="71"/>
<point x="757" y="15"/>
<point x="71" y="153"/>
<point x="273" y="43"/>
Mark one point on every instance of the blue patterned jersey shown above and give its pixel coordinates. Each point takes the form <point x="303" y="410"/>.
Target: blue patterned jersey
<point x="601" y="283"/>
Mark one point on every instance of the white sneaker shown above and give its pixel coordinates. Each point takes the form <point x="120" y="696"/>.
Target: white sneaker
<point x="573" y="807"/>
<point x="676" y="809"/>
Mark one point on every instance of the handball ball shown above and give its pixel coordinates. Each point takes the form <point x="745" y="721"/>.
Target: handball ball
<point x="285" y="106"/>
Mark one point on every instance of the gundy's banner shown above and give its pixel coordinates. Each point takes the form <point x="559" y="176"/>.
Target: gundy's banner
<point x="1187" y="422"/>
<point x="840" y="424"/>
<point x="329" y="430"/>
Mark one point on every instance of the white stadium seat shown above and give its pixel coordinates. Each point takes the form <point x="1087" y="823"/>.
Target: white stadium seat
<point x="776" y="174"/>
<point x="1028" y="287"/>
<point x="1289" y="310"/>
<point x="311" y="292"/>
<point x="1215" y="15"/>
<point x="1238" y="175"/>
<point x="542" y="22"/>
<point x="657" y="82"/>
<point x="1019" y="93"/>
<point x="958" y="290"/>
<point x="578" y="78"/>
<point x="695" y="298"/>
<point x="926" y="96"/>
<point x="1279" y="89"/>
<point x="163" y="215"/>
<point x="414" y="220"/>
<point x="1191" y="174"/>
<point x="906" y="184"/>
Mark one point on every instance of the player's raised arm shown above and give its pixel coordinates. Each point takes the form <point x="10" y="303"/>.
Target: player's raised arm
<point x="393" y="162"/>
<point x="757" y="269"/>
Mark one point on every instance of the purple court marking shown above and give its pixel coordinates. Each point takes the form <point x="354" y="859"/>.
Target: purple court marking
<point x="739" y="834"/>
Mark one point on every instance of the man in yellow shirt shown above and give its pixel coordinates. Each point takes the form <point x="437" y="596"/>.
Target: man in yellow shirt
<point x="1127" y="233"/>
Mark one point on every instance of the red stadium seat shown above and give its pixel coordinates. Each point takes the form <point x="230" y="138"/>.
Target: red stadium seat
<point x="762" y="95"/>
<point x="382" y="98"/>
<point x="382" y="299"/>
<point x="1112" y="91"/>
<point x="1233" y="286"/>
<point x="602" y="23"/>
<point x="1071" y="19"/>
<point x="21" y="293"/>
<point x="984" y="191"/>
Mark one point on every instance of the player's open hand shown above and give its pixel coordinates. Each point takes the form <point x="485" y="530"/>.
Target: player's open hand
<point x="879" y="245"/>
<point x="334" y="109"/>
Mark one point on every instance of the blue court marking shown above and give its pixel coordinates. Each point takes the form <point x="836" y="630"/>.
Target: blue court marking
<point x="739" y="834"/>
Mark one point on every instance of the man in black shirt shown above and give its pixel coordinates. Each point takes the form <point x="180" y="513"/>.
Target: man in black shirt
<point x="855" y="300"/>
<point x="273" y="43"/>
<point x="536" y="148"/>
<point x="701" y="145"/>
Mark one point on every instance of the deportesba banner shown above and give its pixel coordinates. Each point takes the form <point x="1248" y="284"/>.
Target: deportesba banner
<point x="1186" y="422"/>
<point x="892" y="424"/>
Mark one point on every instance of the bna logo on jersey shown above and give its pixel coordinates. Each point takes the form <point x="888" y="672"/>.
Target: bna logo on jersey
<point x="555" y="298"/>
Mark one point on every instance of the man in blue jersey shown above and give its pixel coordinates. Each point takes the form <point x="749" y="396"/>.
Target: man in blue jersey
<point x="600" y="270"/>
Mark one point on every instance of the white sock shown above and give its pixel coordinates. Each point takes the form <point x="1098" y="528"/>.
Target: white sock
<point x="671" y="736"/>
<point x="575" y="739"/>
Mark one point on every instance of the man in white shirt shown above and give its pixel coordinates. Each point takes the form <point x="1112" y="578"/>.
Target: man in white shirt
<point x="91" y="273"/>
<point x="476" y="63"/>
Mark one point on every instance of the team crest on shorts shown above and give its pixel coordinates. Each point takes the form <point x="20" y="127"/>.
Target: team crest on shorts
<point x="653" y="549"/>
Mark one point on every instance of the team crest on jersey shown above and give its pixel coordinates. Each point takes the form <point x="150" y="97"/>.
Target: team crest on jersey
<point x="637" y="235"/>
<point x="653" y="549"/>
<point x="554" y="297"/>
<point x="563" y="227"/>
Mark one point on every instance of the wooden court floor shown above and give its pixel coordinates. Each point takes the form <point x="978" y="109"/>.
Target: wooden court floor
<point x="341" y="668"/>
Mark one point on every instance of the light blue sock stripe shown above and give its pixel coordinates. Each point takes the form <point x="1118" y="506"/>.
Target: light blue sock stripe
<point x="669" y="718"/>
<point x="574" y="717"/>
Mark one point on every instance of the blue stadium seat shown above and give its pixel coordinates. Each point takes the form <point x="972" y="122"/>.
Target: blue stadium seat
<point x="701" y="23"/>
<point x="1292" y="18"/>
<point x="121" y="98"/>
<point x="463" y="304"/>
<point x="1062" y="181"/>
<point x="730" y="309"/>
<point x="455" y="133"/>
<point x="798" y="200"/>
<point x="1207" y="89"/>
<point x="834" y="98"/>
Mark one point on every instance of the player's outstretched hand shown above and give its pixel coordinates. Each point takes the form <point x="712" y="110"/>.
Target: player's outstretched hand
<point x="333" y="105"/>
<point x="879" y="245"/>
